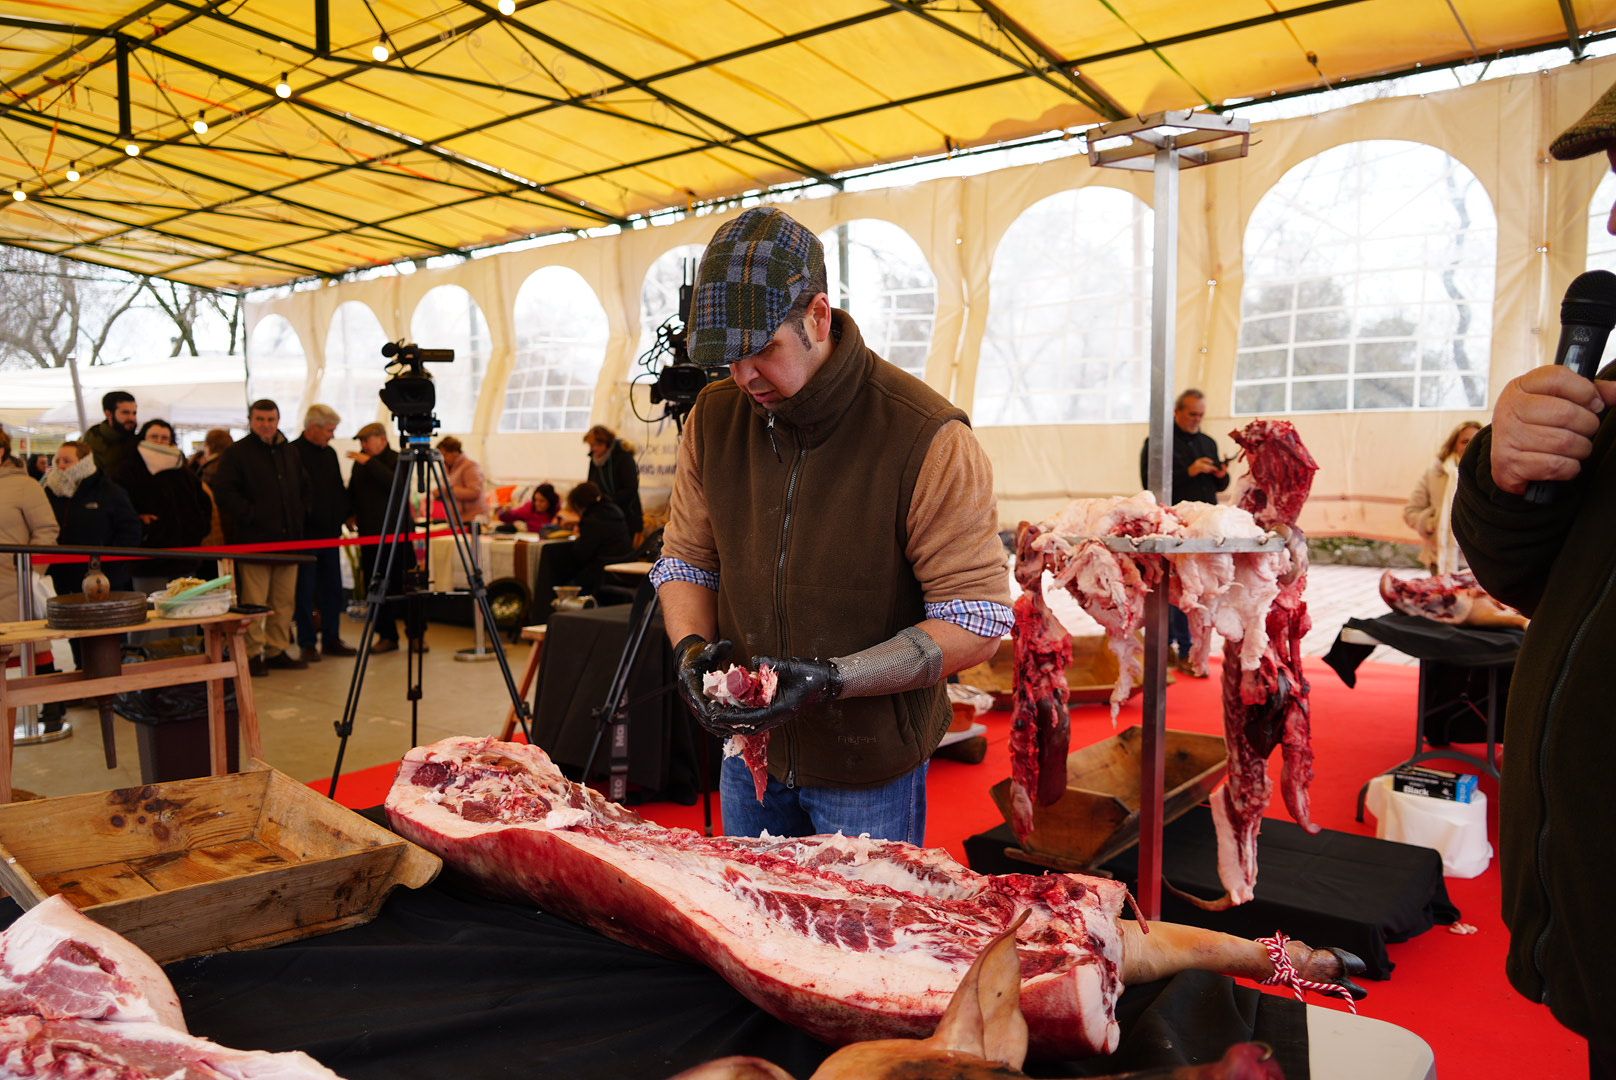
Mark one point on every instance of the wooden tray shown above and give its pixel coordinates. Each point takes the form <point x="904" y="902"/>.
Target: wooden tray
<point x="218" y="863"/>
<point x="1090" y="677"/>
<point x="1098" y="817"/>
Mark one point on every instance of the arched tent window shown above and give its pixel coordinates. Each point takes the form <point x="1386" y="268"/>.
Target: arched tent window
<point x="1602" y="245"/>
<point x="448" y="318"/>
<point x="659" y="296"/>
<point x="354" y="366"/>
<point x="1369" y="285"/>
<point x="1068" y="334"/>
<point x="561" y="334"/>
<point x="277" y="368"/>
<point x="878" y="274"/>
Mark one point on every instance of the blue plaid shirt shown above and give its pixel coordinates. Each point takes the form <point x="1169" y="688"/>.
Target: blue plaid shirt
<point x="985" y="618"/>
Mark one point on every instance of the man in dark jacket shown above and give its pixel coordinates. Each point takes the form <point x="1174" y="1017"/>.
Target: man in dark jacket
<point x="832" y="517"/>
<point x="113" y="439"/>
<point x="319" y="584"/>
<point x="613" y="469"/>
<point x="369" y="485"/>
<point x="262" y="494"/>
<point x="1555" y="562"/>
<point x="1198" y="476"/>
<point x="92" y="511"/>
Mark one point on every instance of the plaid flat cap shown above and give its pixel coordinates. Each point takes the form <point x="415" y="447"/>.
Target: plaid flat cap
<point x="753" y="269"/>
<point x="1594" y="132"/>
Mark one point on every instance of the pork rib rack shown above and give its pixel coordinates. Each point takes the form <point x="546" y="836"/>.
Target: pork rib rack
<point x="847" y="938"/>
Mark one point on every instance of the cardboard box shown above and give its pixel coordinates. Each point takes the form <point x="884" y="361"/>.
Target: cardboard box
<point x="1434" y="783"/>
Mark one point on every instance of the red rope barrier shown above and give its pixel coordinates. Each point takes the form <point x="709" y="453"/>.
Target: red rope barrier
<point x="276" y="547"/>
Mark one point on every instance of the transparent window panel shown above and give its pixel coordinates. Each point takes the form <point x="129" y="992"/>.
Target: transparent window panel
<point x="1261" y="364"/>
<point x="1387" y="356"/>
<point x="1383" y="393"/>
<point x="1259" y="398"/>
<point x="1327" y="395"/>
<point x="1320" y="360"/>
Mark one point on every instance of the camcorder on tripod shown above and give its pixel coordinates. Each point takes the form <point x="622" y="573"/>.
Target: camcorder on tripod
<point x="411" y="396"/>
<point x="675" y="380"/>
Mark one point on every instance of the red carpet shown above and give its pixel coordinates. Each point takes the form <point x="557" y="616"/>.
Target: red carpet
<point x="1448" y="989"/>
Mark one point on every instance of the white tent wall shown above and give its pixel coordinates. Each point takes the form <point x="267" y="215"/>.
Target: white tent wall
<point x="1368" y="460"/>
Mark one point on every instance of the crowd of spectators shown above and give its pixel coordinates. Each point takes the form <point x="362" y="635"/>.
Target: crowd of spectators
<point x="129" y="484"/>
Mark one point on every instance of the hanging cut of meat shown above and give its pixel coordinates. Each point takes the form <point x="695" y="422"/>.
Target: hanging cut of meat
<point x="1266" y="705"/>
<point x="1040" y="728"/>
<point x="848" y="938"/>
<point x="737" y="687"/>
<point x="1447" y="598"/>
<point x="1228" y="592"/>
<point x="77" y="1000"/>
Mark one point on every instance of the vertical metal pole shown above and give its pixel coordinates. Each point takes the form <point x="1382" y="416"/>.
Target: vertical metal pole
<point x="1163" y="350"/>
<point x="126" y="127"/>
<point x="27" y="718"/>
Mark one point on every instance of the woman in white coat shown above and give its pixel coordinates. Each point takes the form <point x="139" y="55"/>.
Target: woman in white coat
<point x="1430" y="508"/>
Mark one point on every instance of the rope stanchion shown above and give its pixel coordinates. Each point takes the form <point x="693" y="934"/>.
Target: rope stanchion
<point x="44" y="555"/>
<point x="1285" y="973"/>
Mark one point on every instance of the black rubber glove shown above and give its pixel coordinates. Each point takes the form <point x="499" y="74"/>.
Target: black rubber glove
<point x="801" y="683"/>
<point x="696" y="657"/>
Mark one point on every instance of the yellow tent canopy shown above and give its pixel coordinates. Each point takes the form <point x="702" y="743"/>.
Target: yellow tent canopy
<point x="255" y="142"/>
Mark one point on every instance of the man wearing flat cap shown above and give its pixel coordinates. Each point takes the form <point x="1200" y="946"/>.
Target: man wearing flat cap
<point x="1556" y="561"/>
<point x="833" y="518"/>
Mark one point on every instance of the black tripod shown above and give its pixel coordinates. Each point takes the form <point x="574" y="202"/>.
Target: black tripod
<point x="421" y="465"/>
<point x="612" y="714"/>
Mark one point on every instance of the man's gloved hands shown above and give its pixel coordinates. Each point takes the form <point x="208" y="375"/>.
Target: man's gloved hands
<point x="801" y="683"/>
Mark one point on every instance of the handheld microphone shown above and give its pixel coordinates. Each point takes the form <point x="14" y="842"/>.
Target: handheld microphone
<point x="1587" y="315"/>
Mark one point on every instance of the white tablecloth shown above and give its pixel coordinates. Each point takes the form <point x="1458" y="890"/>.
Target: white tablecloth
<point x="1457" y="830"/>
<point x="502" y="555"/>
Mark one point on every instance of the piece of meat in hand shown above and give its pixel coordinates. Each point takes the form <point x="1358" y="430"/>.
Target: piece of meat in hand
<point x="739" y="687"/>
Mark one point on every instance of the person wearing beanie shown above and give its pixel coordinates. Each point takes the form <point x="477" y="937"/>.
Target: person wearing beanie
<point x="833" y="518"/>
<point x="1555" y="562"/>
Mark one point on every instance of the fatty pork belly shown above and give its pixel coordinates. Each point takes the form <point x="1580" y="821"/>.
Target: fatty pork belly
<point x="848" y="938"/>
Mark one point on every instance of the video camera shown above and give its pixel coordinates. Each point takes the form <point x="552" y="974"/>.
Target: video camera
<point x="676" y="382"/>
<point x="409" y="393"/>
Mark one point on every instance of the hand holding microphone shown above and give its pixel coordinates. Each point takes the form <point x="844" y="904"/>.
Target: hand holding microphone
<point x="1545" y="421"/>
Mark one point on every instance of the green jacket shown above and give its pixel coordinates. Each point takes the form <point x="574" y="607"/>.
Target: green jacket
<point x="110" y="444"/>
<point x="1557" y="818"/>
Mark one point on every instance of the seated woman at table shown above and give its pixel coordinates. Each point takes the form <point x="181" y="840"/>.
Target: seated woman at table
<point x="92" y="511"/>
<point x="603" y="537"/>
<point x="537" y="512"/>
<point x="1430" y="508"/>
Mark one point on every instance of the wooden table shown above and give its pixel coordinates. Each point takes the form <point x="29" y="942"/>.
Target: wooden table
<point x="211" y="667"/>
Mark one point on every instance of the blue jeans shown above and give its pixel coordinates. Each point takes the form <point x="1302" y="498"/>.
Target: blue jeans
<point x="1178" y="631"/>
<point x="319" y="585"/>
<point x="893" y="811"/>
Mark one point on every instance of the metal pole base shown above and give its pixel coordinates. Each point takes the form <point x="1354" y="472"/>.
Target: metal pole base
<point x="21" y="736"/>
<point x="473" y="655"/>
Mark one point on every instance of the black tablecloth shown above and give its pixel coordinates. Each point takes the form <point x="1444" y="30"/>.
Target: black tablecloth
<point x="1327" y="889"/>
<point x="1464" y="671"/>
<point x="445" y="983"/>
<point x="1424" y="639"/>
<point x="581" y="652"/>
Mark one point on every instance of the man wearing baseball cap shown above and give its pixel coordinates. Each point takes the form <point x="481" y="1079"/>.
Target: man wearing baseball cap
<point x="1557" y="563"/>
<point x="833" y="518"/>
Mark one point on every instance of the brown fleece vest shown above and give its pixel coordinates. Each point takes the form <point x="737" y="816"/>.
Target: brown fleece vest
<point x="810" y="522"/>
